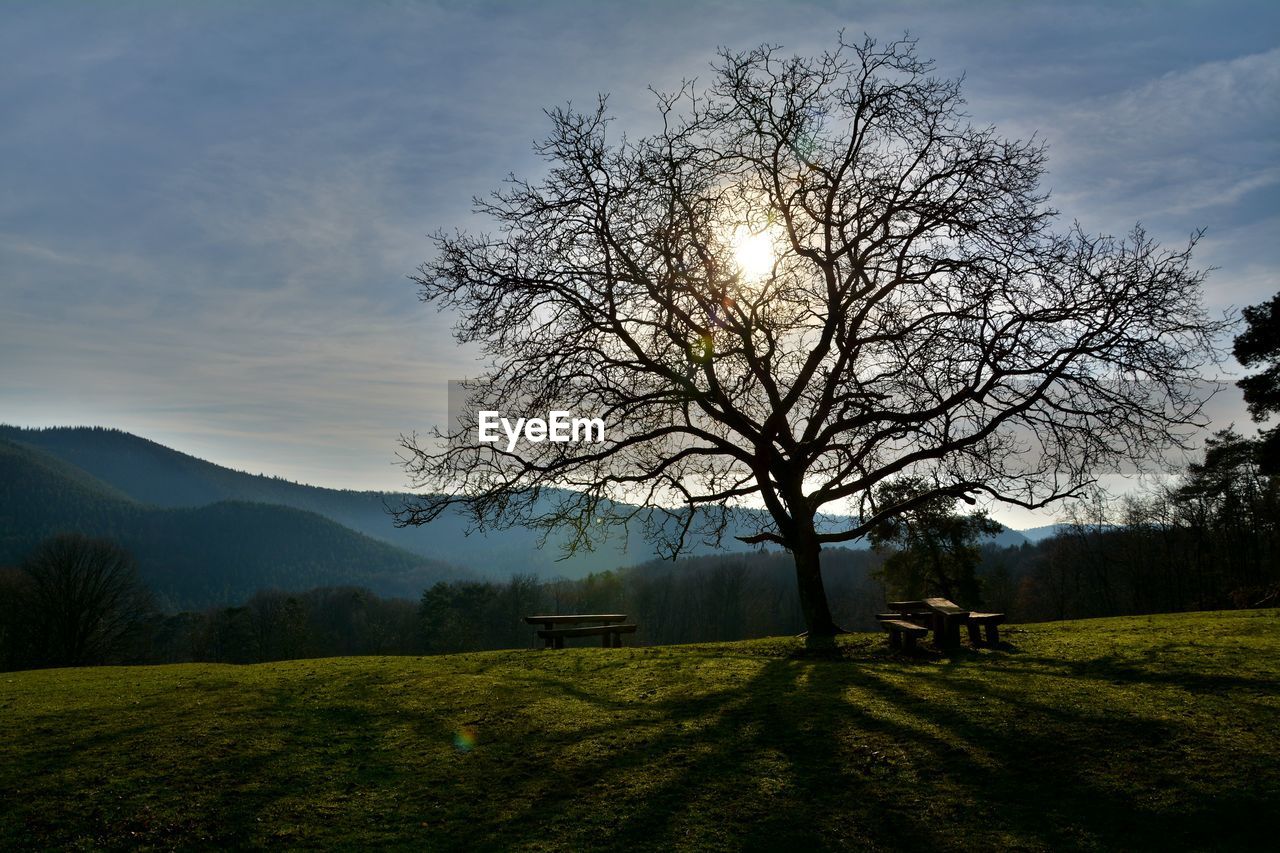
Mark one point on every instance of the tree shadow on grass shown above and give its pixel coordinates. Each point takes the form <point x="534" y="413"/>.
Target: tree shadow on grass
<point x="775" y="751"/>
<point x="1129" y="670"/>
<point x="272" y="767"/>
<point x="836" y="755"/>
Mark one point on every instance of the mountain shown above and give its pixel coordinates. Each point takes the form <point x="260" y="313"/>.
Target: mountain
<point x="153" y="474"/>
<point x="1039" y="534"/>
<point x="41" y="495"/>
<point x="1008" y="538"/>
<point x="196" y="556"/>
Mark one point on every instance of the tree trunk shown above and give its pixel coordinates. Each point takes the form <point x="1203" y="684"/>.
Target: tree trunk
<point x="813" y="595"/>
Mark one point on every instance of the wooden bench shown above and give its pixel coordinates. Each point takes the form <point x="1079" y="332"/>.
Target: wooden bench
<point x="990" y="620"/>
<point x="922" y="618"/>
<point x="903" y="634"/>
<point x="608" y="627"/>
<point x="610" y="635"/>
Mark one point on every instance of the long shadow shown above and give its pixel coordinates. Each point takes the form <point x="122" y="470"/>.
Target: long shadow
<point x="804" y="752"/>
<point x="1045" y="791"/>
<point x="792" y="714"/>
<point x="1028" y="782"/>
<point x="38" y="768"/>
<point x="557" y="791"/>
<point x="272" y="752"/>
<point x="757" y="715"/>
<point x="772" y="716"/>
<point x="1117" y="669"/>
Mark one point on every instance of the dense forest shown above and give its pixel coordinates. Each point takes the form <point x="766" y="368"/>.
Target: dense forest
<point x="152" y="474"/>
<point x="132" y="468"/>
<point x="1210" y="542"/>
<point x="194" y="556"/>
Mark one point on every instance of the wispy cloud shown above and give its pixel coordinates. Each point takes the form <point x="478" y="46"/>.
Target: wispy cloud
<point x="1188" y="140"/>
<point x="210" y="209"/>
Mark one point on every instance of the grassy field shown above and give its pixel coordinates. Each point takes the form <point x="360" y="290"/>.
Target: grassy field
<point x="1150" y="732"/>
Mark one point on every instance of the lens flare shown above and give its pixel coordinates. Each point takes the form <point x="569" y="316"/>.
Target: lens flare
<point x="465" y="739"/>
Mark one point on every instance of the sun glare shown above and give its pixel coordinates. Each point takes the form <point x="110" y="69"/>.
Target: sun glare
<point x="753" y="252"/>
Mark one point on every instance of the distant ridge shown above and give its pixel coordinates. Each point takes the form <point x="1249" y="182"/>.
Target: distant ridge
<point x="151" y="473"/>
<point x="218" y="553"/>
<point x="1048" y="531"/>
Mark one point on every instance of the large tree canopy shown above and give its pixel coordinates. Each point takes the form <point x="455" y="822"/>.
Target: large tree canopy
<point x="818" y="276"/>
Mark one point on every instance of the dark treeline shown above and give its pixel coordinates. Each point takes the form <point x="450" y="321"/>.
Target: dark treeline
<point x="274" y="625"/>
<point x="719" y="597"/>
<point x="78" y="600"/>
<point x="1211" y="542"/>
<point x="699" y="599"/>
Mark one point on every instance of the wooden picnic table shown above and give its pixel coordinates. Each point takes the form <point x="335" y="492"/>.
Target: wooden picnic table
<point x="944" y="618"/>
<point x="608" y="626"/>
<point x="566" y="619"/>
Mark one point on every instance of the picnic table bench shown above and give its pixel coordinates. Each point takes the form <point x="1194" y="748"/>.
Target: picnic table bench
<point x="988" y="620"/>
<point x="943" y="617"/>
<point x="608" y="626"/>
<point x="902" y="634"/>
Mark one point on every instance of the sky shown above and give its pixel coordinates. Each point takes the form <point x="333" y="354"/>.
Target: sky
<point x="209" y="210"/>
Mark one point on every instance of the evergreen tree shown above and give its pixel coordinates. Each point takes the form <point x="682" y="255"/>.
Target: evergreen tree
<point x="932" y="549"/>
<point x="1259" y="344"/>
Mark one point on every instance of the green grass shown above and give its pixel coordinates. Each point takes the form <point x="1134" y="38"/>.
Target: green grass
<point x="1131" y="733"/>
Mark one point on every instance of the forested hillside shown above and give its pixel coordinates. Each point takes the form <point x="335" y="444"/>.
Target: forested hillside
<point x="215" y="554"/>
<point x="154" y="474"/>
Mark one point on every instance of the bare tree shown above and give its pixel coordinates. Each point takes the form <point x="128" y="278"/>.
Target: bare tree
<point x="818" y="276"/>
<point x="86" y="598"/>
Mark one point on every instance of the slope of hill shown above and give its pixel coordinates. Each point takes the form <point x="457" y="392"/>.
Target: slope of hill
<point x="41" y="495"/>
<point x="1142" y="733"/>
<point x="218" y="553"/>
<point x="1039" y="534"/>
<point x="154" y="474"/>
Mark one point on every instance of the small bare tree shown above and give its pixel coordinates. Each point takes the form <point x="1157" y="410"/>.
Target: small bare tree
<point x="86" y="599"/>
<point x="817" y="277"/>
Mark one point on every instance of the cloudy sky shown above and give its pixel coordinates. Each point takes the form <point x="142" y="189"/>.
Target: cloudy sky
<point x="208" y="210"/>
